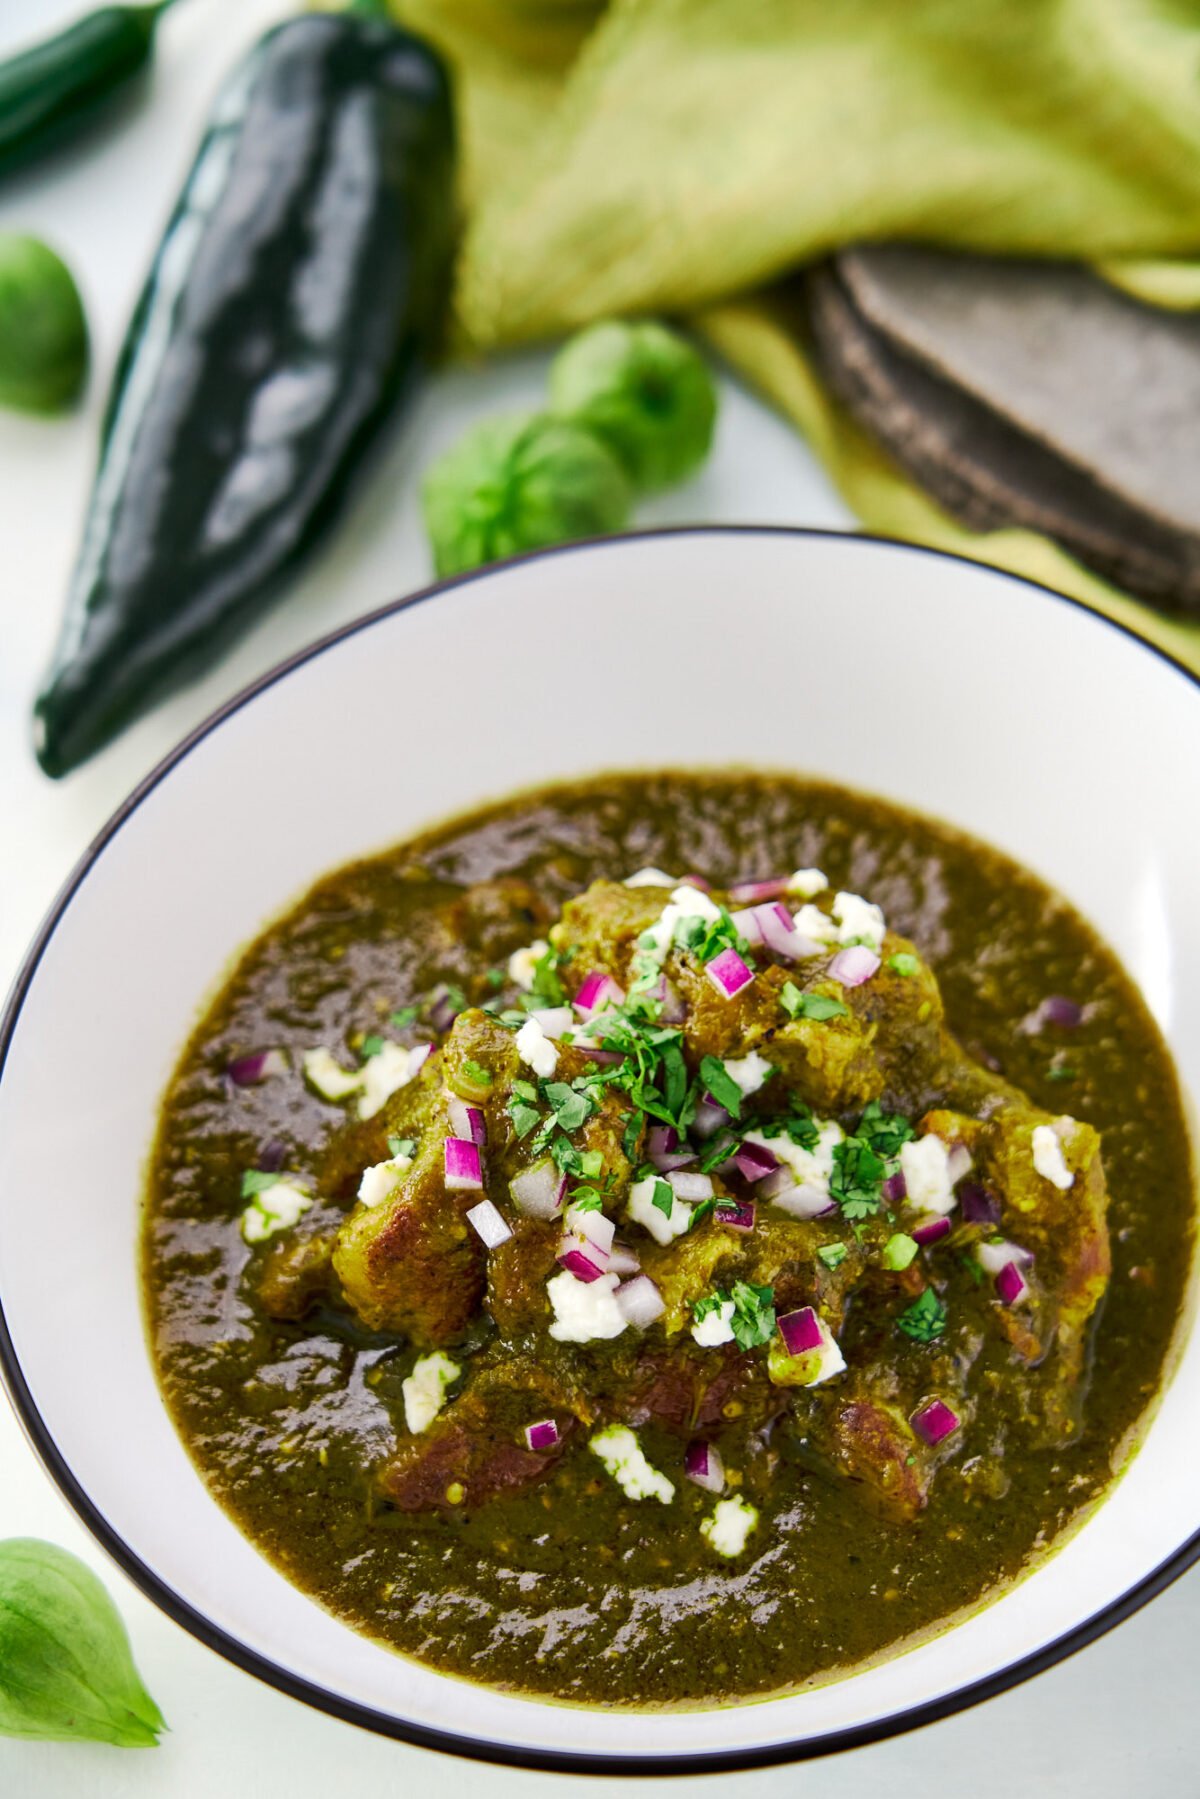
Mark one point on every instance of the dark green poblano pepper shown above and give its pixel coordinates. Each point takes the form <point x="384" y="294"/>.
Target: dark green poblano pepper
<point x="300" y="284"/>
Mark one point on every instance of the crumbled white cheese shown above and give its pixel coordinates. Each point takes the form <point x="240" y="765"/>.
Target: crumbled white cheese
<point x="622" y="1456"/>
<point x="381" y="1180"/>
<point x="276" y="1208"/>
<point x="522" y="964"/>
<point x="584" y="1311"/>
<point x="806" y="883"/>
<point x="749" y="1072"/>
<point x="643" y="1211"/>
<point x="716" y="1326"/>
<point x="816" y="925"/>
<point x="330" y="1079"/>
<point x="858" y="920"/>
<point x="536" y="1050"/>
<point x="730" y="1525"/>
<point x="649" y="877"/>
<point x="425" y="1389"/>
<point x="1048" y="1157"/>
<point x="811" y="1167"/>
<point x="685" y="902"/>
<point x="385" y="1073"/>
<point x="925" y="1165"/>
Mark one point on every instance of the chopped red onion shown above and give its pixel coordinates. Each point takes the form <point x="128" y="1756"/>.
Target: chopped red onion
<point x="623" y="1260"/>
<point x="977" y="1205"/>
<point x="591" y="1227"/>
<point x="488" y="1223"/>
<point x="1011" y="1284"/>
<point x="702" y="1463"/>
<point x="538" y="1191"/>
<point x="697" y="881"/>
<point x="674" y="1006"/>
<point x="800" y="1330"/>
<point x="542" y="1435"/>
<point x="554" y="1020"/>
<point x="272" y="1156"/>
<point x="640" y="1302"/>
<point x="753" y="893"/>
<point x="895" y="1188"/>
<point x="748" y="924"/>
<point x="585" y="1265"/>
<point x="1066" y="1013"/>
<point x="463" y="1171"/>
<point x="755" y="1162"/>
<point x="248" y="1071"/>
<point x="662" y="1148"/>
<point x="605" y="1057"/>
<point x="854" y="965"/>
<point x="958" y="1163"/>
<point x="992" y="1257"/>
<point x="709" y="1119"/>
<point x="469" y="1122"/>
<point x="933" y="1422"/>
<point x="599" y="990"/>
<point x="692" y="1187"/>
<point x="796" y="1198"/>
<point x="738" y="1214"/>
<point x="418" y="1055"/>
<point x="728" y="973"/>
<point x="442" y="1010"/>
<point x="780" y="934"/>
<point x="929" y="1230"/>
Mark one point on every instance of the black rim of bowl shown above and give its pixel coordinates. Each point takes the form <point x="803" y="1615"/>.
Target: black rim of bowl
<point x="350" y="1711"/>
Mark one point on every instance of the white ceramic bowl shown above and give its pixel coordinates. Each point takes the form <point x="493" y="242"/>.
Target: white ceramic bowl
<point x="938" y="683"/>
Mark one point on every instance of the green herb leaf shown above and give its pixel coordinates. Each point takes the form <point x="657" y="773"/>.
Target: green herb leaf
<point x="833" y="1254"/>
<point x="753" y="1320"/>
<point x="66" y="1670"/>
<point x="525" y="1118"/>
<point x="585" y="1199"/>
<point x="570" y="1108"/>
<point x="663" y="1199"/>
<point x="565" y="1155"/>
<point x="370" y="1046"/>
<point x="717" y="1152"/>
<point x="925" y="1319"/>
<point x="818" y="1006"/>
<point x="257" y="1180"/>
<point x="402" y="1146"/>
<point x="857" y="1179"/>
<point x="797" y="1123"/>
<point x="477" y="1073"/>
<point x="547" y="989"/>
<point x="707" y="937"/>
<point x="495" y="977"/>
<point x="525" y="1090"/>
<point x="721" y="1084"/>
<point x="885" y="1132"/>
<point x="712" y="1302"/>
<point x="899" y="1251"/>
<point x="592" y="1163"/>
<point x="406" y="1016"/>
<point x="1058" y="1073"/>
<point x="904" y="964"/>
<point x="630" y="1135"/>
<point x="704" y="1209"/>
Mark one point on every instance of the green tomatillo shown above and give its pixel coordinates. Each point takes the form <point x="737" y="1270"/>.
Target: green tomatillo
<point x="645" y="391"/>
<point x="43" y="331"/>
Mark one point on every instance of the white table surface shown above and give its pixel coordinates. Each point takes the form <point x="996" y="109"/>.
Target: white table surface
<point x="1119" y="1718"/>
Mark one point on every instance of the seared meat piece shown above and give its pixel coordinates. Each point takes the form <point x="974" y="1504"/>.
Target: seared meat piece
<point x="476" y="1449"/>
<point x="296" y="1274"/>
<point x="872" y="1445"/>
<point x="517" y="1273"/>
<point x="686" y="1390"/>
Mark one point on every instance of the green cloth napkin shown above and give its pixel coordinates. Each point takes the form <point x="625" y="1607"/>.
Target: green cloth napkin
<point x="682" y="156"/>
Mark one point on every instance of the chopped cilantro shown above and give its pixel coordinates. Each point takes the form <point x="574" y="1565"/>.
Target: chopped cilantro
<point x="547" y="989"/>
<point x="717" y="1152"/>
<point x="495" y="977"/>
<point x="370" y="1046"/>
<point x="707" y="937"/>
<point x="700" y="1212"/>
<point x="455" y="997"/>
<point x="257" y="1180"/>
<point x="798" y="1124"/>
<point x="402" y="1146"/>
<point x="817" y="1006"/>
<point x="712" y="1302"/>
<point x="833" y="1254"/>
<point x="476" y="1072"/>
<point x="925" y="1319"/>
<point x="524" y="1117"/>
<point x="973" y="1268"/>
<point x="721" y="1084"/>
<point x="571" y="1109"/>
<point x="903" y="964"/>
<point x="406" y="1016"/>
<point x="663" y="1199"/>
<point x="585" y="1199"/>
<point x="525" y="1090"/>
<point x="1057" y="1073"/>
<point x="857" y="1178"/>
<point x="753" y="1318"/>
<point x="884" y="1131"/>
<point x="630" y="1135"/>
<point x="592" y="1164"/>
<point x="565" y="1155"/>
<point x="899" y="1251"/>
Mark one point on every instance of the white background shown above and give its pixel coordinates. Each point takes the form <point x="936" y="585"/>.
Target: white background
<point x="1119" y="1718"/>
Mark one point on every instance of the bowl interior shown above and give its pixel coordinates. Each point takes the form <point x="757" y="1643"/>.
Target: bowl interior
<point x="942" y="685"/>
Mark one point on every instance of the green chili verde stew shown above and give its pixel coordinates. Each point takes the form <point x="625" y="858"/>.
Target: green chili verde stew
<point x="667" y="1238"/>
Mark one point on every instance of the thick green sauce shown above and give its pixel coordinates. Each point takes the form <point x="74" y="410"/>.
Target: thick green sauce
<point x="571" y="1590"/>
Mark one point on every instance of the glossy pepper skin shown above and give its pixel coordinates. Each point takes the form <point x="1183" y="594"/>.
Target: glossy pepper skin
<point x="300" y="284"/>
<point x="53" y="90"/>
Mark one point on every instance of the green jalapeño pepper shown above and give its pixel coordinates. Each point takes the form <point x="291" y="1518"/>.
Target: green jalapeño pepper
<point x="300" y="284"/>
<point x="49" y="92"/>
